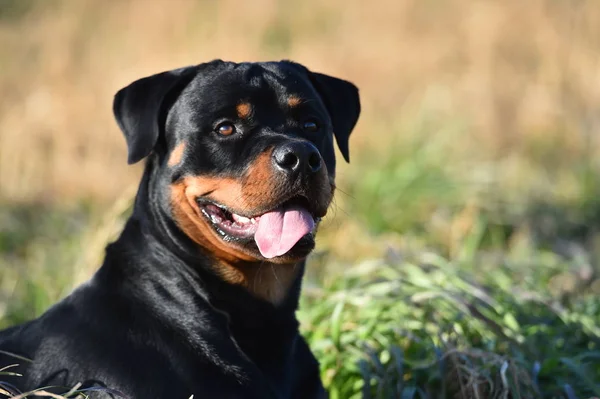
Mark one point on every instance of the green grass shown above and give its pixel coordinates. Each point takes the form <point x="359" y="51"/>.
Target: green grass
<point x="437" y="275"/>
<point x="420" y="325"/>
<point x="38" y="247"/>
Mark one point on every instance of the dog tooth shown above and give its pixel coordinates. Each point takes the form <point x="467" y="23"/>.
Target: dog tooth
<point x="241" y="219"/>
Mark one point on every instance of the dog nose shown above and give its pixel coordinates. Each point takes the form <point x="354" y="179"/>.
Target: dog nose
<point x="297" y="157"/>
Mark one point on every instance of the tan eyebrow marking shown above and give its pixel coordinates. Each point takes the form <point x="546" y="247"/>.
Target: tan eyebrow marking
<point x="294" y="101"/>
<point x="244" y="109"/>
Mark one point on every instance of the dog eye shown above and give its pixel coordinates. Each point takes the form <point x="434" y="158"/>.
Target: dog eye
<point x="310" y="126"/>
<point x="225" y="129"/>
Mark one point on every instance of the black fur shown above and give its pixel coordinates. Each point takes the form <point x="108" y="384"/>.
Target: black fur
<point x="139" y="109"/>
<point x="156" y="321"/>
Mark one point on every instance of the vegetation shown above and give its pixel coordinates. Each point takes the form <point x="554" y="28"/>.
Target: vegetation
<point x="460" y="258"/>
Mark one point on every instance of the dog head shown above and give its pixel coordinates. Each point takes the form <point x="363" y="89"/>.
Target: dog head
<point x="246" y="152"/>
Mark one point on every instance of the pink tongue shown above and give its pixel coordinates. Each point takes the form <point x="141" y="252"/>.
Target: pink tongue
<point x="279" y="230"/>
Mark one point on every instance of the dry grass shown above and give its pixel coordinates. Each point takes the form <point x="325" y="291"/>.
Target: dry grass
<point x="514" y="71"/>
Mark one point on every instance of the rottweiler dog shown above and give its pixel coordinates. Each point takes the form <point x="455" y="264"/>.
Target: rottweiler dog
<point x="198" y="294"/>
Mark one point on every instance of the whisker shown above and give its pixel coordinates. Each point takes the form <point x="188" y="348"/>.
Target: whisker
<point x="259" y="275"/>
<point x="337" y="188"/>
<point x="275" y="274"/>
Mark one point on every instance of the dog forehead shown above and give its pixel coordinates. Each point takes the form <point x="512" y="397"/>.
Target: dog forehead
<point x="219" y="91"/>
<point x="260" y="80"/>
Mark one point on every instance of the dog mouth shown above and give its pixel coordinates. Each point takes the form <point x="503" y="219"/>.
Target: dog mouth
<point x="287" y="229"/>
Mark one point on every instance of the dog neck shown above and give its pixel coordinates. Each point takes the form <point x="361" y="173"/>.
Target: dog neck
<point x="170" y="295"/>
<point x="182" y="295"/>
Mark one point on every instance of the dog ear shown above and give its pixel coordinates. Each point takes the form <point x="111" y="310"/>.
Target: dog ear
<point x="343" y="103"/>
<point x="140" y="109"/>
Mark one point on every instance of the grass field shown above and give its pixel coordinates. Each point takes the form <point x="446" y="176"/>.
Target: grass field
<point x="461" y="257"/>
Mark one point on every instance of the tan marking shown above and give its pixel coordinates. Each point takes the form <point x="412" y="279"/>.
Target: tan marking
<point x="192" y="222"/>
<point x="261" y="189"/>
<point x="266" y="280"/>
<point x="259" y="177"/>
<point x="294" y="101"/>
<point x="256" y="192"/>
<point x="176" y="154"/>
<point x="244" y="110"/>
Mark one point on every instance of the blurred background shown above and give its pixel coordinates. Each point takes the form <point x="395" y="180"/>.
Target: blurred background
<point x="478" y="144"/>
